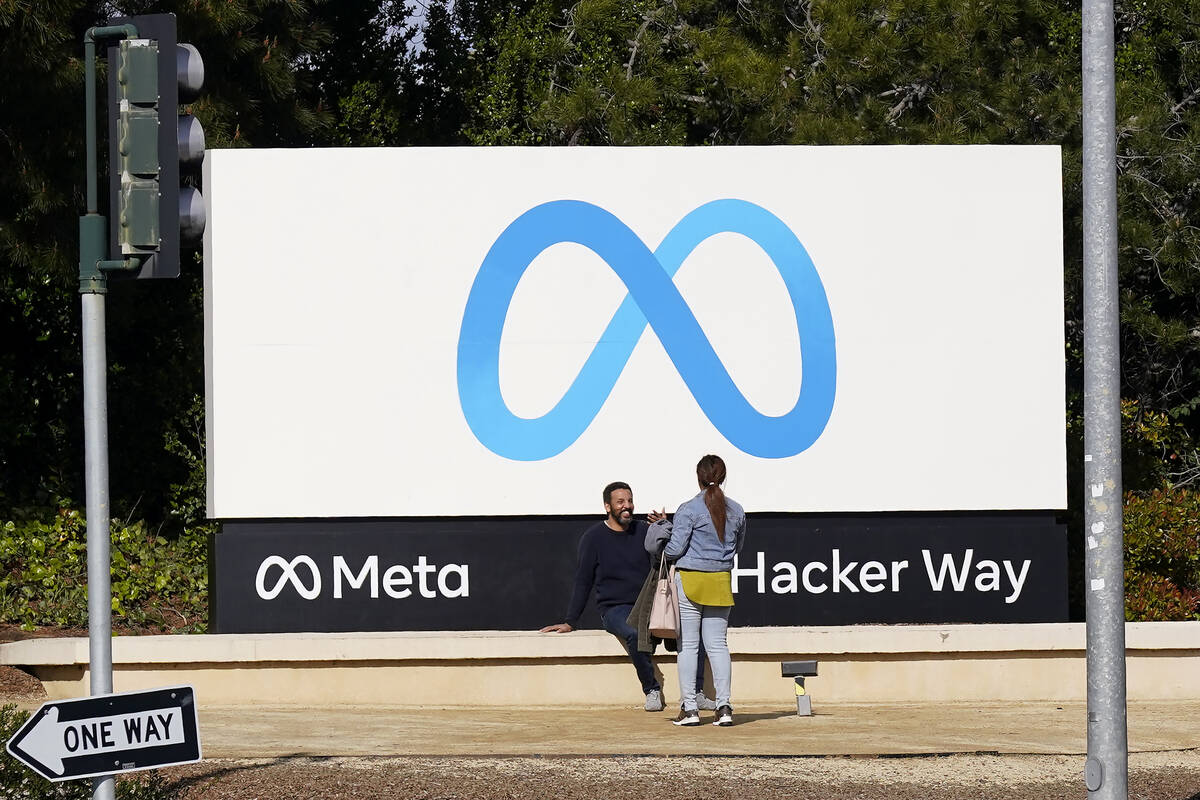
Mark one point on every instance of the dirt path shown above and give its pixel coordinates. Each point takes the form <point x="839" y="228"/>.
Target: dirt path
<point x="1156" y="776"/>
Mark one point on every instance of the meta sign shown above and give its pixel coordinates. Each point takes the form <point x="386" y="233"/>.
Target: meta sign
<point x="495" y="574"/>
<point x="488" y="336"/>
<point x="109" y="734"/>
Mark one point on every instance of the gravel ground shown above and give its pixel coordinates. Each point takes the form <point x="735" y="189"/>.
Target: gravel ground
<point x="1153" y="776"/>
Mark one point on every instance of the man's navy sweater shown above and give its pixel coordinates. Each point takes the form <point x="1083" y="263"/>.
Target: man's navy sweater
<point x="615" y="563"/>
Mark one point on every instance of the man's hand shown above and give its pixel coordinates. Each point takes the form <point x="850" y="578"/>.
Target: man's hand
<point x="561" y="627"/>
<point x="655" y="516"/>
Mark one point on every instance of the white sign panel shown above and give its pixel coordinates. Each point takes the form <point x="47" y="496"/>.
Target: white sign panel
<point x="495" y="331"/>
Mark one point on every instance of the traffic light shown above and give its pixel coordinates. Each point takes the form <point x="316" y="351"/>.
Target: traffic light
<point x="152" y="145"/>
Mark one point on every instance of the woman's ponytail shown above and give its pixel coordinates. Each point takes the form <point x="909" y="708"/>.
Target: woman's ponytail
<point x="710" y="473"/>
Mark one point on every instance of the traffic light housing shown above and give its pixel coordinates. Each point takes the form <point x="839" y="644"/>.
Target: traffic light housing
<point x="152" y="145"/>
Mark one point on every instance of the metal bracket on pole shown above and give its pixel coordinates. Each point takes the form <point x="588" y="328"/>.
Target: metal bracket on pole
<point x="93" y="227"/>
<point x="93" y="268"/>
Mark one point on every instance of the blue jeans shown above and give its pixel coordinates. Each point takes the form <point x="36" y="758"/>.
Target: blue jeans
<point x="614" y="621"/>
<point x="710" y="624"/>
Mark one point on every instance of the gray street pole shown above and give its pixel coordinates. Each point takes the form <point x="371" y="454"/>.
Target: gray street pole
<point x="1106" y="771"/>
<point x="95" y="435"/>
<point x="93" y="246"/>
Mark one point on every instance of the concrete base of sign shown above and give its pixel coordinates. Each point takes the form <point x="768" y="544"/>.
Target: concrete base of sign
<point x="867" y="663"/>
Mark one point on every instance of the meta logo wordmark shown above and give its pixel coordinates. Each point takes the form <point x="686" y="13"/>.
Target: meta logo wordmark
<point x="652" y="298"/>
<point x="396" y="581"/>
<point x="288" y="575"/>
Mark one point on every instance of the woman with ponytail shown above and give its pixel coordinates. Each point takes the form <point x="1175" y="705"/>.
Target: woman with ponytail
<point x="706" y="532"/>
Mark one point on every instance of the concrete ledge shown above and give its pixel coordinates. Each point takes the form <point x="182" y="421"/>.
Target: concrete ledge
<point x="872" y="663"/>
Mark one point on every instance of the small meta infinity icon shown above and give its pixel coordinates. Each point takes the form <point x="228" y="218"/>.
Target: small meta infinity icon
<point x="288" y="575"/>
<point x="653" y="295"/>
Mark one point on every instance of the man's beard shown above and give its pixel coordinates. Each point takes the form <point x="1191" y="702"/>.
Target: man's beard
<point x="621" y="518"/>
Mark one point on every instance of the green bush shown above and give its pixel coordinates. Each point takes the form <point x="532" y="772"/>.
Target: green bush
<point x="19" y="782"/>
<point x="1162" y="536"/>
<point x="1162" y="555"/>
<point x="157" y="583"/>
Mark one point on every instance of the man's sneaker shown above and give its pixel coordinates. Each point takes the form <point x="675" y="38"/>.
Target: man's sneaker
<point x="687" y="718"/>
<point x="705" y="703"/>
<point x="654" y="701"/>
<point x="724" y="717"/>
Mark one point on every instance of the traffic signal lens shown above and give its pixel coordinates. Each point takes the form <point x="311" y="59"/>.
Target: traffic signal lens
<point x="192" y="216"/>
<point x="190" y="141"/>
<point x="189" y="68"/>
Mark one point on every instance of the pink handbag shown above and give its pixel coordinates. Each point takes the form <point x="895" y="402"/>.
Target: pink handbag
<point x="664" y="610"/>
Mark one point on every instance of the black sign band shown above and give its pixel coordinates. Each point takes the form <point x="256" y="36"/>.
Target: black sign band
<point x="515" y="574"/>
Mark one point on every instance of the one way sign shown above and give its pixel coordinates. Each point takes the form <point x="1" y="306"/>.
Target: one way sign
<point x="110" y="733"/>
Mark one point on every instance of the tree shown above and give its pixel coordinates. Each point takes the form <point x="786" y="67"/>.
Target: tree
<point x="254" y="94"/>
<point x="40" y="410"/>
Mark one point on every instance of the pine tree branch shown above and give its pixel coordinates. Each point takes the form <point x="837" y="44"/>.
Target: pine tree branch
<point x="1191" y="98"/>
<point x="637" y="39"/>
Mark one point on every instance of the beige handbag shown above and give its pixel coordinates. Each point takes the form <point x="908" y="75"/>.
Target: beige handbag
<point x="664" y="610"/>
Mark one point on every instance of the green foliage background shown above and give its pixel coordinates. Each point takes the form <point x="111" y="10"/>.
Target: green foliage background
<point x="590" y="72"/>
<point x="158" y="583"/>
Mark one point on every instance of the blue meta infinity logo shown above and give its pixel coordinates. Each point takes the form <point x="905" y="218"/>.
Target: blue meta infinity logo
<point x="653" y="297"/>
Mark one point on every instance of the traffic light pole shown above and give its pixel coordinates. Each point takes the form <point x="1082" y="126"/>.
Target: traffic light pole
<point x="93" y="247"/>
<point x="151" y="73"/>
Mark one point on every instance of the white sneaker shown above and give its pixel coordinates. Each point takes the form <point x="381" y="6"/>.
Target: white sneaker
<point x="687" y="718"/>
<point x="654" y="701"/>
<point x="704" y="703"/>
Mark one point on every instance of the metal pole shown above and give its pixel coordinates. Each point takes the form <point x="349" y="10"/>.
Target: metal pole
<point x="95" y="428"/>
<point x="93" y="247"/>
<point x="1106" y="771"/>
